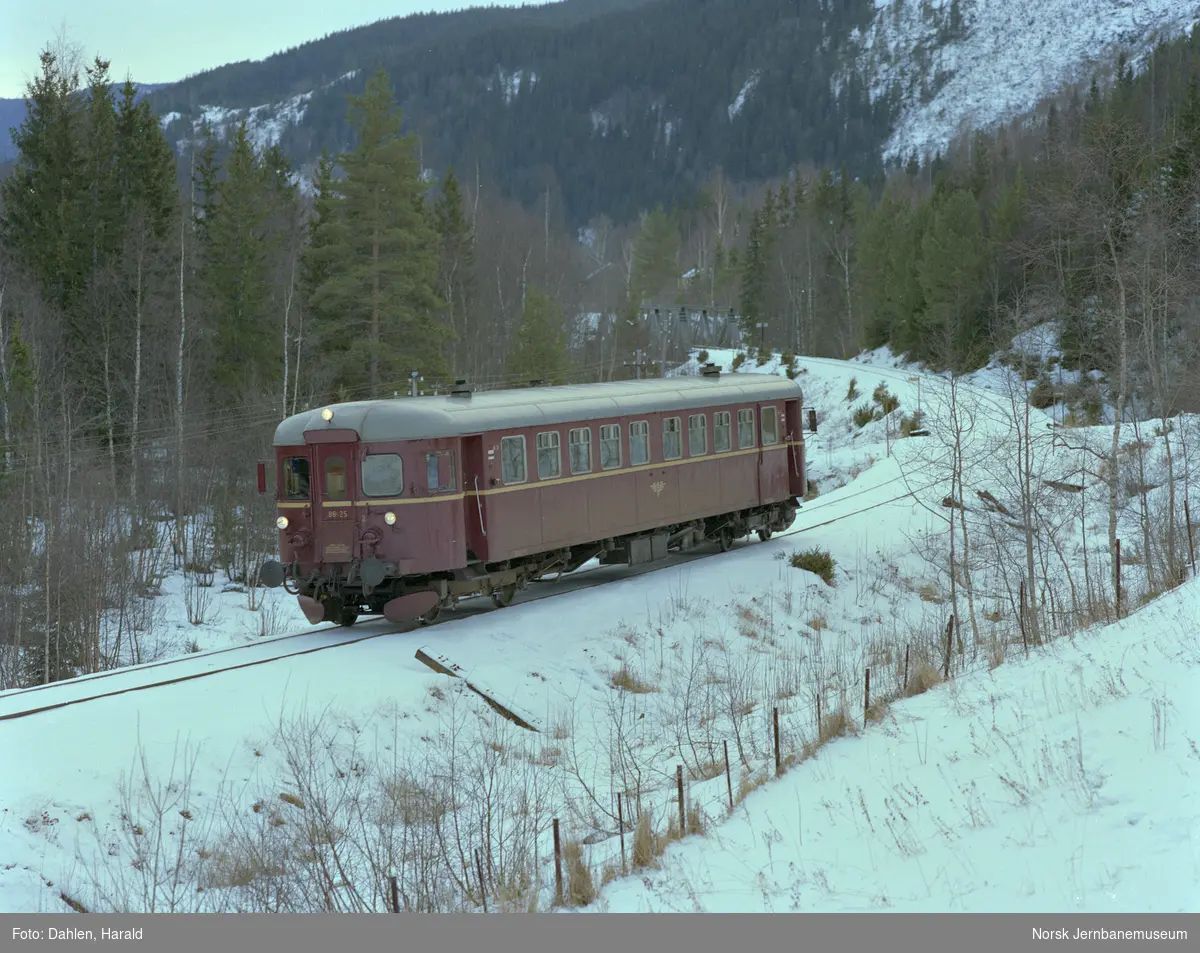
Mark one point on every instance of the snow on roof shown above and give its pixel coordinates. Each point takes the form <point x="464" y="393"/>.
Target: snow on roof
<point x="416" y="418"/>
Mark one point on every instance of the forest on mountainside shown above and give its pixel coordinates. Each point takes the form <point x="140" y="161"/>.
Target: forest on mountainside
<point x="320" y="61"/>
<point x="153" y="334"/>
<point x="1089" y="218"/>
<point x="610" y="107"/>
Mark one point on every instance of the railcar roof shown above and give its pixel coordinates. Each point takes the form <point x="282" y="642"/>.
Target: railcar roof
<point x="417" y="418"/>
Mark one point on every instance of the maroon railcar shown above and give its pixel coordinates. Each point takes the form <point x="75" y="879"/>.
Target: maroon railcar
<point x="404" y="506"/>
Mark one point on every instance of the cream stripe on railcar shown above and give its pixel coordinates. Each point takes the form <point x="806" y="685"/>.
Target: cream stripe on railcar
<point x="443" y="497"/>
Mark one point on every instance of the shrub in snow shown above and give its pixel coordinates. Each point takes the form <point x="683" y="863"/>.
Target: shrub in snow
<point x="817" y="561"/>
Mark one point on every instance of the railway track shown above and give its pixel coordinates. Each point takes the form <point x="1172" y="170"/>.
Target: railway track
<point x="997" y="400"/>
<point x="148" y="666"/>
<point x="277" y="649"/>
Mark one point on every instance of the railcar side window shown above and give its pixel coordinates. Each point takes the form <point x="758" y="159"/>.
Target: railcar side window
<point x="295" y="478"/>
<point x="721" y="431"/>
<point x="335" y="478"/>
<point x="439" y="471"/>
<point x="745" y="429"/>
<point x="512" y="459"/>
<point x="639" y="443"/>
<point x="770" y="426"/>
<point x="697" y="435"/>
<point x="548" y="457"/>
<point x="672" y="439"/>
<point x="610" y="446"/>
<point x="580" y="447"/>
<point x="382" y="474"/>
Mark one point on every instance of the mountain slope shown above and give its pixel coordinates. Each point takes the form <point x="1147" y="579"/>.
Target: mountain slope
<point x="321" y="61"/>
<point x="619" y="105"/>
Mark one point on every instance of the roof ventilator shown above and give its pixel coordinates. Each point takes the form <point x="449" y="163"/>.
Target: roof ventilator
<point x="710" y="370"/>
<point x="461" y="389"/>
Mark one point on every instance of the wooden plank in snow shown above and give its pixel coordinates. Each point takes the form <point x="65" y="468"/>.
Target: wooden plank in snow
<point x="444" y="666"/>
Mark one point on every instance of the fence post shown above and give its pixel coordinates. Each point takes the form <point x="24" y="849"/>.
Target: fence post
<point x="621" y="828"/>
<point x="395" y="882"/>
<point x="558" y="886"/>
<point x="904" y="686"/>
<point x="682" y="809"/>
<point x="775" y="720"/>
<point x="482" y="882"/>
<point x="867" y="698"/>
<point x="818" y="718"/>
<point x="728" y="776"/>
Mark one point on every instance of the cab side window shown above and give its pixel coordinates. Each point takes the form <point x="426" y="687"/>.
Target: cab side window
<point x="382" y="474"/>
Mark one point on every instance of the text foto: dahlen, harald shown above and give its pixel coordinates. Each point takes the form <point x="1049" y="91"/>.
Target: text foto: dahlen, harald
<point x="53" y="933"/>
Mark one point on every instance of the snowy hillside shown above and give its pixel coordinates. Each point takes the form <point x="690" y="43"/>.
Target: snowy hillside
<point x="1004" y="768"/>
<point x="265" y="124"/>
<point x="962" y="65"/>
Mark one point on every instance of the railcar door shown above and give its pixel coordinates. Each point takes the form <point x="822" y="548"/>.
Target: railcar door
<point x="794" y="430"/>
<point x="474" y="481"/>
<point x="337" y="517"/>
<point x="772" y="462"/>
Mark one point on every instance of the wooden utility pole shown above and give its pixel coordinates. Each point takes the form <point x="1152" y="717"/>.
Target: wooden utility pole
<point x="637" y="364"/>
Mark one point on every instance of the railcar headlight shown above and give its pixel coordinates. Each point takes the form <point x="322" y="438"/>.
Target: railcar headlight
<point x="282" y="522"/>
<point x="389" y="518"/>
<point x="327" y="414"/>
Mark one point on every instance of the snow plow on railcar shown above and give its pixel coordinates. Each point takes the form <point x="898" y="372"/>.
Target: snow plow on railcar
<point x="402" y="507"/>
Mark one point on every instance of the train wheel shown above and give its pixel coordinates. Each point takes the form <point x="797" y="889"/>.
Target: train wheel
<point x="431" y="616"/>
<point x="503" y="597"/>
<point x="348" y="617"/>
<point x="764" y="534"/>
<point x="725" y="539"/>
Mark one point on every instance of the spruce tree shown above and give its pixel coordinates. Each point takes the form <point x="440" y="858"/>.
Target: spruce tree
<point x="540" y="345"/>
<point x="42" y="222"/>
<point x="99" y="159"/>
<point x="953" y="273"/>
<point x="323" y="240"/>
<point x="236" y="278"/>
<point x="656" y="255"/>
<point x="98" y="365"/>
<point x="753" y="297"/>
<point x="456" y="264"/>
<point x="381" y="283"/>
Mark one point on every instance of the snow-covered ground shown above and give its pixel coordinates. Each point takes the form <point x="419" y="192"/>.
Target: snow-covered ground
<point x="1052" y="776"/>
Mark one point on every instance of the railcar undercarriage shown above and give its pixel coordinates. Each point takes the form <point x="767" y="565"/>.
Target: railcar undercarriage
<point x="369" y="587"/>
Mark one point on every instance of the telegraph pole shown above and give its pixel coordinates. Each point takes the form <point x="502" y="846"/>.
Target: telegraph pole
<point x="638" y="364"/>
